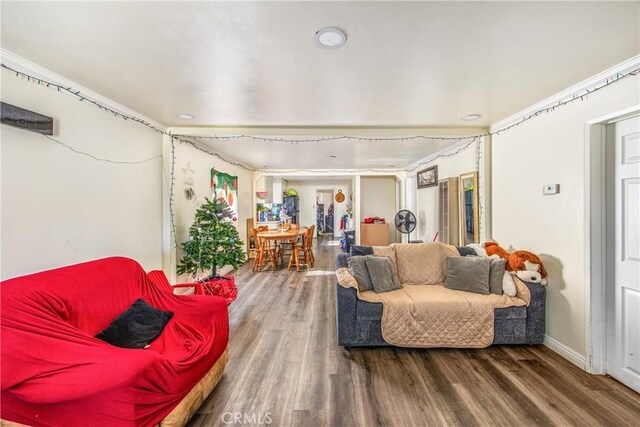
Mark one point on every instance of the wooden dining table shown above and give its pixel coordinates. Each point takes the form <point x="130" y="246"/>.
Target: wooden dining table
<point x="290" y="235"/>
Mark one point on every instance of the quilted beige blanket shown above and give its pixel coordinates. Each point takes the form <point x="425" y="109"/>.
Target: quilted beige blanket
<point x="426" y="314"/>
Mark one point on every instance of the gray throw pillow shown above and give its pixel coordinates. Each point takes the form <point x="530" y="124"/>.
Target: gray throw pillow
<point x="496" y="273"/>
<point x="358" y="269"/>
<point x="469" y="274"/>
<point x="383" y="276"/>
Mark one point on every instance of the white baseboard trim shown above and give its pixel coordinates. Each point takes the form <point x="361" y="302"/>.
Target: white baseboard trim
<point x="564" y="351"/>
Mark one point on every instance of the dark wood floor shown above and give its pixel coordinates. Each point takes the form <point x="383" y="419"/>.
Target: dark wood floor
<point x="286" y="370"/>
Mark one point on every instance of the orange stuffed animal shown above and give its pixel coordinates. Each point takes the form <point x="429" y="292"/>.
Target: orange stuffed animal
<point x="528" y="267"/>
<point x="524" y="264"/>
<point x="493" y="248"/>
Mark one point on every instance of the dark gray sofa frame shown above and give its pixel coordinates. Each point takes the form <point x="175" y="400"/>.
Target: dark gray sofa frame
<point x="359" y="322"/>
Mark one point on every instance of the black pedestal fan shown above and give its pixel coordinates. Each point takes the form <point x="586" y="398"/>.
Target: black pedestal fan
<point x="405" y="222"/>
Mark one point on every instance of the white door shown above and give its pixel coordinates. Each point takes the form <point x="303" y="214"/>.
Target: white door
<point x="623" y="338"/>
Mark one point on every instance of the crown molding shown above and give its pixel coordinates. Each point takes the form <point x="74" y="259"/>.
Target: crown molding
<point x="12" y="60"/>
<point x="571" y="92"/>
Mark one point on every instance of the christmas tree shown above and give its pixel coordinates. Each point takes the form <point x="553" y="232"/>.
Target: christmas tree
<point x="213" y="241"/>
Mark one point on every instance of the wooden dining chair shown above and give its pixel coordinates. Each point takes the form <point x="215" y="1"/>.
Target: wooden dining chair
<point x="301" y="256"/>
<point x="309" y="245"/>
<point x="287" y="246"/>
<point x="264" y="251"/>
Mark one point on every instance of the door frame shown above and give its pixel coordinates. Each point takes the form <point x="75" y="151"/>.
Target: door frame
<point x="598" y="247"/>
<point x="333" y="195"/>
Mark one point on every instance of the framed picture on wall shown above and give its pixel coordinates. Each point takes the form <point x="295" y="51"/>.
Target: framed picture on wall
<point x="225" y="187"/>
<point x="428" y="177"/>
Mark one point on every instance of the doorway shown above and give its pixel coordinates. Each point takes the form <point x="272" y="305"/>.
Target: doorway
<point x="623" y="288"/>
<point x="324" y="211"/>
<point x="614" y="273"/>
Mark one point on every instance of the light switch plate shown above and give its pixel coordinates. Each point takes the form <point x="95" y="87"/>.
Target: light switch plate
<point x="551" y="189"/>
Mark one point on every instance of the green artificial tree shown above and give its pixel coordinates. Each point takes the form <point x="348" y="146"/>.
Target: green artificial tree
<point x="213" y="241"/>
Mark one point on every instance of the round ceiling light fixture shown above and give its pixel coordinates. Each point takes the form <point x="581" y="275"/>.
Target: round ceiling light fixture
<point x="185" y="116"/>
<point x="470" y="117"/>
<point x="330" y="38"/>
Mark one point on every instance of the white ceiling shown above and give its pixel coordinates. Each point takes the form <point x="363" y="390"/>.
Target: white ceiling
<point x="247" y="64"/>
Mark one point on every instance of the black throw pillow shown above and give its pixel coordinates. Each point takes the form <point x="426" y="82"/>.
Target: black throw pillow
<point x="137" y="326"/>
<point x="466" y="251"/>
<point x="357" y="250"/>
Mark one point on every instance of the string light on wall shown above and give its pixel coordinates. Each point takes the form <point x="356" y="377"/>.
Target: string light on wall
<point x="455" y="151"/>
<point x="172" y="183"/>
<point x="328" y="171"/>
<point x="77" y="94"/>
<point x="211" y="153"/>
<point x="102" y="159"/>
<point x="188" y="139"/>
<point x="351" y="138"/>
<point x="83" y="98"/>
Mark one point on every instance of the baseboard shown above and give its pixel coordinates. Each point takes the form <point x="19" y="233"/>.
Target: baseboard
<point x="564" y="351"/>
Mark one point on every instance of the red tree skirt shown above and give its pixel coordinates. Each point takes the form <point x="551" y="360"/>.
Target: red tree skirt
<point x="224" y="287"/>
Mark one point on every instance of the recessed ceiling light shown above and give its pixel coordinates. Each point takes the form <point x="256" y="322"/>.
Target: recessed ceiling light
<point x="470" y="117"/>
<point x="185" y="116"/>
<point x="330" y="38"/>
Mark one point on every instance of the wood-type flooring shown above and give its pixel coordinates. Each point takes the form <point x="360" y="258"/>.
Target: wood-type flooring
<point x="286" y="369"/>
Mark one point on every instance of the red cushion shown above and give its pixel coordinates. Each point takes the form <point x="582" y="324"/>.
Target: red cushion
<point x="55" y="372"/>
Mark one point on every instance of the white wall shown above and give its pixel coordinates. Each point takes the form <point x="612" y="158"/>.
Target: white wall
<point x="61" y="208"/>
<point x="378" y="198"/>
<point x="427" y="198"/>
<point x="550" y="149"/>
<point x="201" y="163"/>
<point x="307" y="191"/>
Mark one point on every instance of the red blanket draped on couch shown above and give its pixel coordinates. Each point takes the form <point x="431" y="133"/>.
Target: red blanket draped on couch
<point x="54" y="372"/>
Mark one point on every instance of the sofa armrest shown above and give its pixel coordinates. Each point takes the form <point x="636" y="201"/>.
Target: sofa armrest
<point x="536" y="313"/>
<point x="345" y="314"/>
<point x="342" y="260"/>
<point x="197" y="287"/>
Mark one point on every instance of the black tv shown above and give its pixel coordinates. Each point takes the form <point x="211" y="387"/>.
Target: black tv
<point x="25" y="119"/>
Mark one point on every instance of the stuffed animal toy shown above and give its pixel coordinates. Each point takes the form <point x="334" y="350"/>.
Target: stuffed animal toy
<point x="492" y="248"/>
<point x="528" y="267"/>
<point x="524" y="264"/>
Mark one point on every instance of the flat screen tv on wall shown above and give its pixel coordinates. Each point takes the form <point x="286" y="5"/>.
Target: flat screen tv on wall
<point x="25" y="119"/>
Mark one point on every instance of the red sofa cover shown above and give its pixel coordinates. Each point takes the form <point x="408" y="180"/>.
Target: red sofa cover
<point x="54" y="371"/>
